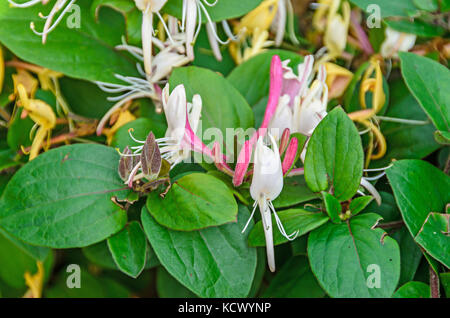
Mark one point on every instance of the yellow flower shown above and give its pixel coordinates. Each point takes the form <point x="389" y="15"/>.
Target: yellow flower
<point x="25" y="79"/>
<point x="375" y="86"/>
<point x="124" y="117"/>
<point x="254" y="25"/>
<point x="319" y="20"/>
<point x="338" y="79"/>
<point x="42" y="114"/>
<point x="335" y="38"/>
<point x="35" y="282"/>
<point x="259" y="18"/>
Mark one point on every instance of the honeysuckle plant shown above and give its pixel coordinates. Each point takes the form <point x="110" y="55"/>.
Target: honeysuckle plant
<point x="138" y="147"/>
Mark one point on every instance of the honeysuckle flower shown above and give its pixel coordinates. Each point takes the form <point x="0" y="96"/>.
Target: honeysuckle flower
<point x="148" y="8"/>
<point x="276" y="83"/>
<point x="333" y="25"/>
<point x="338" y="79"/>
<point x="266" y="186"/>
<point x="254" y="25"/>
<point x="335" y="37"/>
<point x="259" y="42"/>
<point x="42" y="114"/>
<point x="192" y="22"/>
<point x="24" y="78"/>
<point x="282" y="119"/>
<point x="396" y="42"/>
<point x="296" y="85"/>
<point x="182" y="122"/>
<point x="35" y="282"/>
<point x="171" y="55"/>
<point x="374" y="85"/>
<point x="308" y="112"/>
<point x="284" y="15"/>
<point x="49" y="25"/>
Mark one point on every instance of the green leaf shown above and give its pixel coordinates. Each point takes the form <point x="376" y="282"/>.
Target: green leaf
<point x="294" y="280"/>
<point x="17" y="258"/>
<point x="347" y="258"/>
<point x="169" y="287"/>
<point x="90" y="287"/>
<point x="141" y="128"/>
<point x="85" y="98"/>
<point x="332" y="206"/>
<point x="410" y="255"/>
<point x="252" y="78"/>
<point x="359" y="203"/>
<point x="413" y="290"/>
<point x="387" y="8"/>
<point x="405" y="141"/>
<point x="425" y="79"/>
<point x="292" y="220"/>
<point x="419" y="188"/>
<point x="387" y="209"/>
<point x="295" y="191"/>
<point x="428" y="5"/>
<point x="204" y="56"/>
<point x="100" y="255"/>
<point x="417" y="27"/>
<point x="187" y="255"/>
<point x="129" y="249"/>
<point x="234" y="112"/>
<point x="195" y="201"/>
<point x="434" y="237"/>
<point x="445" y="281"/>
<point x="62" y="198"/>
<point x="131" y="14"/>
<point x="334" y="157"/>
<point x="86" y="52"/>
<point x="222" y="10"/>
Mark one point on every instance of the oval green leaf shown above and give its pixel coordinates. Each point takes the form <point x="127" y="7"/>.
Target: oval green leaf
<point x="334" y="157"/>
<point x="129" y="249"/>
<point x="63" y="198"/>
<point x="195" y="201"/>
<point x="185" y="255"/>
<point x="427" y="79"/>
<point x="354" y="259"/>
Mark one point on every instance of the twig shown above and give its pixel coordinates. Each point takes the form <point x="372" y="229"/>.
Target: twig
<point x="391" y="225"/>
<point x="434" y="283"/>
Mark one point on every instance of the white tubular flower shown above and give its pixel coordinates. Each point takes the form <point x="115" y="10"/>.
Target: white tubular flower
<point x="308" y="112"/>
<point x="396" y="42"/>
<point x="49" y="25"/>
<point x="192" y="22"/>
<point x="182" y="122"/>
<point x="148" y="7"/>
<point x="284" y="17"/>
<point x="266" y="186"/>
<point x="282" y="118"/>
